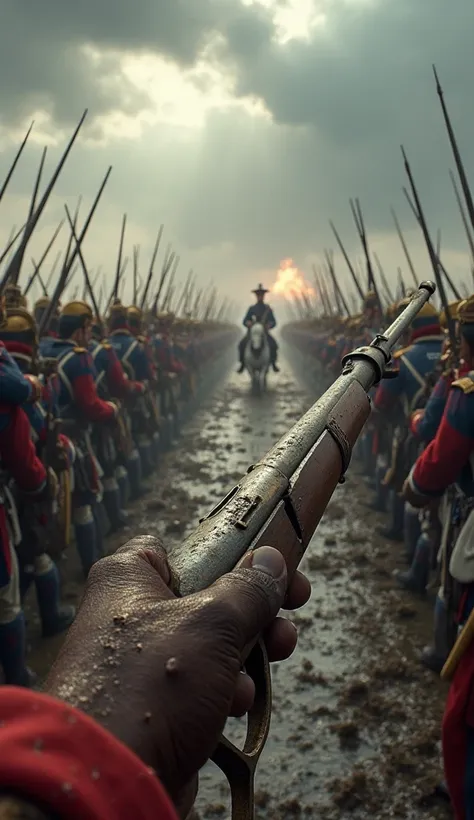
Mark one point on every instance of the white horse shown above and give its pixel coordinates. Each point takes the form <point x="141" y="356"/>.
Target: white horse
<point x="257" y="357"/>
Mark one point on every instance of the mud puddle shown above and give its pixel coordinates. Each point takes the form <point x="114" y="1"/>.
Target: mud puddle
<point x="355" y="724"/>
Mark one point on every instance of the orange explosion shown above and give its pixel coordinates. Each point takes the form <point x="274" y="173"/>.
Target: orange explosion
<point x="290" y="281"/>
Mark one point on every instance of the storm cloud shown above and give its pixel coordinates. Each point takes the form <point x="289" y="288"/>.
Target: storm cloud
<point x="303" y="124"/>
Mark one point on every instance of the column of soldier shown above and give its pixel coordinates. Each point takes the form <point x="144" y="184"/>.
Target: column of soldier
<point x="88" y="401"/>
<point x="417" y="455"/>
<point x="100" y="399"/>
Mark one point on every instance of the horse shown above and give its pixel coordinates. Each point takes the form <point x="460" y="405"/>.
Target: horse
<point x="257" y="357"/>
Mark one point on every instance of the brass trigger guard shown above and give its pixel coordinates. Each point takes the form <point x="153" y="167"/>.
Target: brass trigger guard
<point x="239" y="765"/>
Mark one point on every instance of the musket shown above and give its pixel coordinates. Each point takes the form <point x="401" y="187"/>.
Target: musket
<point x="319" y="291"/>
<point x="308" y="305"/>
<point x="457" y="156"/>
<point x="404" y="246"/>
<point x="152" y="263"/>
<point x="440" y="264"/>
<point x="184" y="292"/>
<point x="87" y="280"/>
<point x="435" y="264"/>
<point x="69" y="261"/>
<point x="383" y="279"/>
<point x="165" y="269"/>
<point x="38" y="276"/>
<point x="348" y="261"/>
<point x="13" y="269"/>
<point x="15" y="162"/>
<point x="115" y="289"/>
<point x="337" y="290"/>
<point x="197" y="302"/>
<point x="189" y="296"/>
<point x="136" y="256"/>
<point x="171" y="265"/>
<point x="11" y="275"/>
<point x="6" y="251"/>
<point x="324" y="287"/>
<point x="359" y="221"/>
<point x="53" y="269"/>
<point x="280" y="502"/>
<point x="37" y="267"/>
<point x="463" y="217"/>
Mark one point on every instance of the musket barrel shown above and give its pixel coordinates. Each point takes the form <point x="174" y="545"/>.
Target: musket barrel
<point x="232" y="527"/>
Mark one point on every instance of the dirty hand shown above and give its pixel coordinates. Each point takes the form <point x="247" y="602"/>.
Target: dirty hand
<point x="161" y="673"/>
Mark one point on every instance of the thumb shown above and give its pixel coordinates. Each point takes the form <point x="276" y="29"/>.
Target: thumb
<point x="252" y="594"/>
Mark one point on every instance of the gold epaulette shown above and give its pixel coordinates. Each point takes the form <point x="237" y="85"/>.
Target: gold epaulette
<point x="80" y="350"/>
<point x="106" y="345"/>
<point x="466" y="384"/>
<point x="401" y="352"/>
<point x="141" y="339"/>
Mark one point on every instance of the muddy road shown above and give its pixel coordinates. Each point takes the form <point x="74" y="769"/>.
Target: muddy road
<point x="356" y="720"/>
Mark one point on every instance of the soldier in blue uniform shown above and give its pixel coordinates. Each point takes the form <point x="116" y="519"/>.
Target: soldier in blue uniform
<point x="398" y="398"/>
<point x="448" y="461"/>
<point x="264" y="314"/>
<point x="136" y="365"/>
<point x="80" y="406"/>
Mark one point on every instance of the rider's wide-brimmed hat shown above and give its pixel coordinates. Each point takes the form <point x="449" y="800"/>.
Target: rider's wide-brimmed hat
<point x="260" y="289"/>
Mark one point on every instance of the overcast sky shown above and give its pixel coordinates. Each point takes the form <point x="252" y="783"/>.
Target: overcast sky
<point x="243" y="126"/>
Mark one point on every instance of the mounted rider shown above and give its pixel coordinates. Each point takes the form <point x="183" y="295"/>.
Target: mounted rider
<point x="263" y="313"/>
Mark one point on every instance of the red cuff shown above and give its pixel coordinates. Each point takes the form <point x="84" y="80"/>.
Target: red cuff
<point x="61" y="759"/>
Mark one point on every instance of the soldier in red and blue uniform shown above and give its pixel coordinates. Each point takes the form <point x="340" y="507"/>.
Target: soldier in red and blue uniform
<point x="261" y="313"/>
<point x="447" y="461"/>
<point x="135" y="362"/>
<point x="80" y="407"/>
<point x="18" y="461"/>
<point x="151" y="442"/>
<point x="397" y="398"/>
<point x="18" y="333"/>
<point x="112" y="383"/>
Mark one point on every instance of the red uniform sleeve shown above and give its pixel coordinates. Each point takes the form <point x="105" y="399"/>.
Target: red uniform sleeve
<point x="59" y="758"/>
<point x="119" y="386"/>
<point x="18" y="451"/>
<point x="89" y="403"/>
<point x="443" y="460"/>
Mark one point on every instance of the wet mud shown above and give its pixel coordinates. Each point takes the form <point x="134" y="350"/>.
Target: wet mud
<point x="356" y="719"/>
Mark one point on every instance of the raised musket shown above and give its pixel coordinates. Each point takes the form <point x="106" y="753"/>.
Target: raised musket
<point x="37" y="267"/>
<point x="152" y="263"/>
<point x="15" y="162"/>
<point x="280" y="501"/>
<point x="383" y="279"/>
<point x="69" y="261"/>
<point x="434" y="259"/>
<point x="87" y="279"/>
<point x="441" y="266"/>
<point x="165" y="269"/>
<point x="462" y="212"/>
<point x="348" y="261"/>
<point x="404" y="247"/>
<point x="359" y="221"/>
<point x="118" y="269"/>
<point x="184" y="293"/>
<point x="340" y="298"/>
<point x="14" y="265"/>
<point x="457" y="156"/>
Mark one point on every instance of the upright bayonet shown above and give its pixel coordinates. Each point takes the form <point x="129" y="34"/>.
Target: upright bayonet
<point x="434" y="259"/>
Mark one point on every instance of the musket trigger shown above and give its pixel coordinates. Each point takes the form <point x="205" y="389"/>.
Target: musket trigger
<point x="239" y="765"/>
